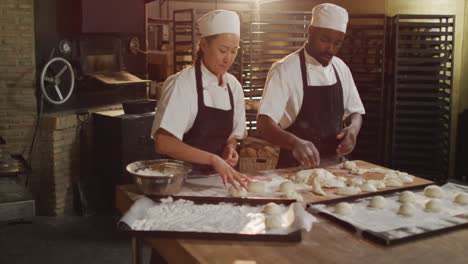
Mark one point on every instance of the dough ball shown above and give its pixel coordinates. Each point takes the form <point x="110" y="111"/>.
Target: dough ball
<point x="349" y="165"/>
<point x="367" y="187"/>
<point x="272" y="209"/>
<point x="302" y="176"/>
<point x="407" y="209"/>
<point x="378" y="184"/>
<point x="343" y="208"/>
<point x="256" y="187"/>
<point x="273" y="221"/>
<point x="294" y="195"/>
<point x="407" y="197"/>
<point x="461" y="198"/>
<point x="393" y="182"/>
<point x="287" y="186"/>
<point x="405" y="177"/>
<point x="359" y="171"/>
<point x="356" y="181"/>
<point x="377" y="202"/>
<point x="433" y="206"/>
<point x="349" y="190"/>
<point x="433" y="191"/>
<point x="241" y="192"/>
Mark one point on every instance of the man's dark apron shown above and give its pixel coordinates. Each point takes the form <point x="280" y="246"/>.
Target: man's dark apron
<point x="212" y="127"/>
<point x="320" y="118"/>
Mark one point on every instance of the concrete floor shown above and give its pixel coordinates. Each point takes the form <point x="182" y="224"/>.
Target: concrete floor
<point x="67" y="239"/>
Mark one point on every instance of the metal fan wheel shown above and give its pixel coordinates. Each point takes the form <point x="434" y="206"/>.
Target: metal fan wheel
<point x="47" y="82"/>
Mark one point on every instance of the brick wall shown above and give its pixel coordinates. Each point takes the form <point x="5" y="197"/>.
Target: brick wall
<point x="17" y="73"/>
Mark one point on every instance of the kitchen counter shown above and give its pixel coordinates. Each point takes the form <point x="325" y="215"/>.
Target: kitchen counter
<point x="326" y="243"/>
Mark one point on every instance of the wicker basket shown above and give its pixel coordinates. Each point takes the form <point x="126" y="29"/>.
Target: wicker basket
<point x="256" y="158"/>
<point x="257" y="164"/>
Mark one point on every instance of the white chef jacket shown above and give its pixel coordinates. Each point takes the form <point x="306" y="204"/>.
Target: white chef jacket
<point x="283" y="93"/>
<point x="178" y="106"/>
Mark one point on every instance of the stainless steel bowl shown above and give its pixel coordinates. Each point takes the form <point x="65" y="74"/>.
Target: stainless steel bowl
<point x="160" y="177"/>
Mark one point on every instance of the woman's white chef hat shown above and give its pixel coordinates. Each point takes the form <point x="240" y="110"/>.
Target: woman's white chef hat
<point x="219" y="22"/>
<point x="329" y="16"/>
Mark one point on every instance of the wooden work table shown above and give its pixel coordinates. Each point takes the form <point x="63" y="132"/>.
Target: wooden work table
<point x="326" y="243"/>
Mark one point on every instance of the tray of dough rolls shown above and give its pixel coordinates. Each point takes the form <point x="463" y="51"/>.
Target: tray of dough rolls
<point x="333" y="183"/>
<point x="250" y="220"/>
<point x="401" y="216"/>
<point x="350" y="179"/>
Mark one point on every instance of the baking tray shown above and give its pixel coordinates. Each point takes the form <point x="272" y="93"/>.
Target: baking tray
<point x="401" y="234"/>
<point x="311" y="198"/>
<point x="294" y="234"/>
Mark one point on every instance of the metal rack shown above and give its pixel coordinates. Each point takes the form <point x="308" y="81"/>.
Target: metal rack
<point x="364" y="51"/>
<point x="421" y="94"/>
<point x="268" y="36"/>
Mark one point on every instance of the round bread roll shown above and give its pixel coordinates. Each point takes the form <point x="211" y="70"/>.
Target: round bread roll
<point x="407" y="209"/>
<point x="407" y="197"/>
<point x="433" y="206"/>
<point x="251" y="152"/>
<point x="287" y="186"/>
<point x="343" y="208"/>
<point x="433" y="191"/>
<point x="377" y="202"/>
<point x="256" y="187"/>
<point x="461" y="198"/>
<point x="273" y="221"/>
<point x="272" y="209"/>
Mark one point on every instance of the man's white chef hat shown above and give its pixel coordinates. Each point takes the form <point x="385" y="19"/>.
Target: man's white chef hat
<point x="219" y="22"/>
<point x="329" y="16"/>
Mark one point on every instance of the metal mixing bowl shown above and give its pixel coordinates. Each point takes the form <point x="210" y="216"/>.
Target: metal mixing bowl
<point x="159" y="177"/>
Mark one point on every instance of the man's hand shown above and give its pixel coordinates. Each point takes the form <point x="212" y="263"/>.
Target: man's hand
<point x="347" y="138"/>
<point x="306" y="153"/>
<point x="230" y="155"/>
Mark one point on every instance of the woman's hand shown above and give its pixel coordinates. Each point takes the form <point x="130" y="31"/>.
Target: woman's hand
<point x="230" y="155"/>
<point x="228" y="173"/>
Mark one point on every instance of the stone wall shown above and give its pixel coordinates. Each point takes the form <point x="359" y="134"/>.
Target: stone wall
<point x="17" y="73"/>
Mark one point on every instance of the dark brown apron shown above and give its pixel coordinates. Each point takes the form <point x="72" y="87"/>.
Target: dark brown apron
<point x="320" y="118"/>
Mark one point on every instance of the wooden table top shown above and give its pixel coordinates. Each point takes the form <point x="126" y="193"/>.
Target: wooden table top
<point x="326" y="243"/>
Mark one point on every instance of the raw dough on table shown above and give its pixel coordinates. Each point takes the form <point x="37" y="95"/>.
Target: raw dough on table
<point x="349" y="165"/>
<point x="241" y="192"/>
<point x="273" y="221"/>
<point x="349" y="190"/>
<point x="272" y="209"/>
<point x="407" y="209"/>
<point x="367" y="187"/>
<point x="343" y="208"/>
<point x="287" y="186"/>
<point x="377" y="202"/>
<point x="377" y="183"/>
<point x="356" y="181"/>
<point x="256" y="187"/>
<point x="461" y="198"/>
<point x="406" y="197"/>
<point x="433" y="191"/>
<point x="294" y="195"/>
<point x="433" y="206"/>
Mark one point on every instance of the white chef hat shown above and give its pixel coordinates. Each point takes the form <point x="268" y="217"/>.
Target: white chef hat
<point x="329" y="16"/>
<point x="218" y="22"/>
